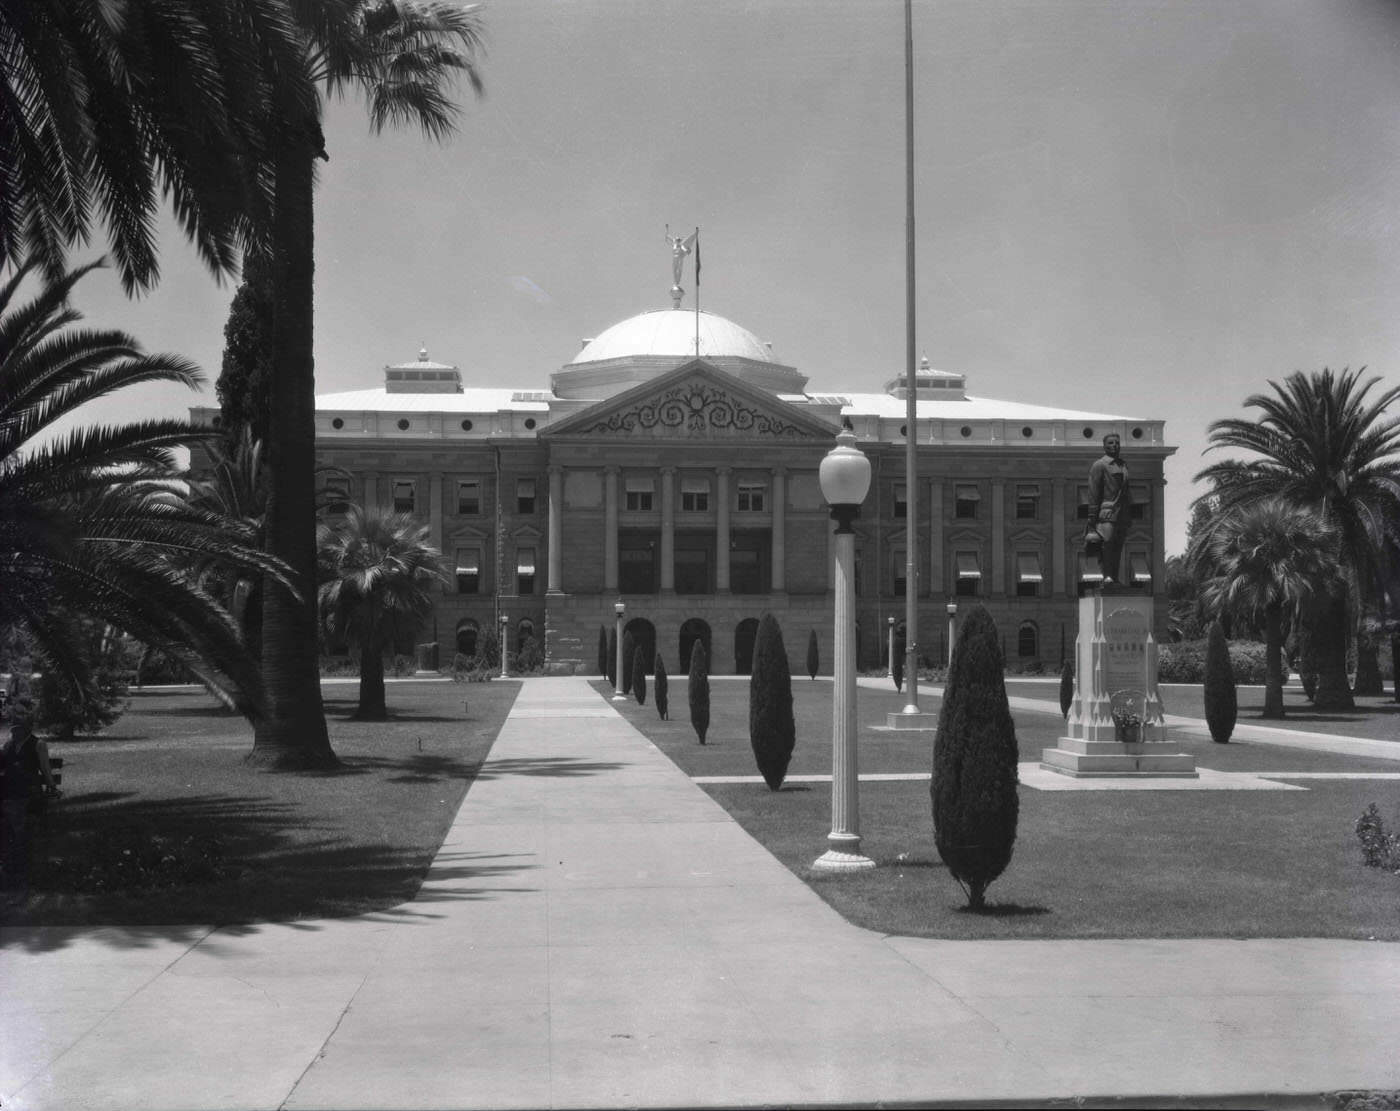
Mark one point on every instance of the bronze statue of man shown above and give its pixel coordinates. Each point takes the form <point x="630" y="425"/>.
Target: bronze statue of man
<point x="1110" y="508"/>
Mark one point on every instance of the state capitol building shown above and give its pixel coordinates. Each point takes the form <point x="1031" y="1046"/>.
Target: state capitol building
<point x="672" y="465"/>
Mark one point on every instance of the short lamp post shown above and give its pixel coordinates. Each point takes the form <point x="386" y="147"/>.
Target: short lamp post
<point x="504" y="670"/>
<point x="890" y="674"/>
<point x="952" y="629"/>
<point x="845" y="480"/>
<point x="619" y="608"/>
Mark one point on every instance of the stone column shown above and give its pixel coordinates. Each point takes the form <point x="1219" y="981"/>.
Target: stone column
<point x="556" y="530"/>
<point x="435" y="510"/>
<point x="1059" y="555"/>
<point x="937" y="584"/>
<point x="370" y="500"/>
<point x="610" y="530"/>
<point x="778" y="581"/>
<point x="998" y="538"/>
<point x="722" y="529"/>
<point x="668" y="530"/>
<point x="1159" y="535"/>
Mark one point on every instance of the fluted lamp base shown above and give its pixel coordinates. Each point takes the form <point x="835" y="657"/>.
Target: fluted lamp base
<point x="842" y="855"/>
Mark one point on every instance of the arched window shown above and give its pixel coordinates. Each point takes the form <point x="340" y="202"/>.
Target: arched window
<point x="1028" y="641"/>
<point x="466" y="637"/>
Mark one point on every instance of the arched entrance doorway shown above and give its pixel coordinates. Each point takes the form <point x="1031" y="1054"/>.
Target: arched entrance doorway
<point x="466" y="637"/>
<point x="643" y="637"/>
<point x="693" y="629"/>
<point x="744" y="634"/>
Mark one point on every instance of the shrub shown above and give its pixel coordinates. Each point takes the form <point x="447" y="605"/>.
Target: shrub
<point x="530" y="660"/>
<point x="611" y="669"/>
<point x="1066" y="687"/>
<point x="772" y="730"/>
<point x="699" y="692"/>
<point x="1379" y="848"/>
<point x="488" y="651"/>
<point x="975" y="805"/>
<point x="813" y="656"/>
<point x="661" y="686"/>
<point x="64" y="709"/>
<point x="1221" y="701"/>
<point x="603" y="656"/>
<point x="639" y="675"/>
<point x="1185" y="662"/>
<point x="629" y="648"/>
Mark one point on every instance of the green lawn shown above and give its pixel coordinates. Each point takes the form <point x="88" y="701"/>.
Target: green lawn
<point x="162" y="822"/>
<point x="1087" y="863"/>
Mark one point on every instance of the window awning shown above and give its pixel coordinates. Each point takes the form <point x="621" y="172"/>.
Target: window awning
<point x="967" y="566"/>
<point x="1087" y="573"/>
<point x="1137" y="563"/>
<point x="695" y="485"/>
<point x="1023" y="491"/>
<point x="640" y="485"/>
<point x="468" y="563"/>
<point x="1028" y="567"/>
<point x="967" y="493"/>
<point x="525" y="561"/>
<point x="753" y="484"/>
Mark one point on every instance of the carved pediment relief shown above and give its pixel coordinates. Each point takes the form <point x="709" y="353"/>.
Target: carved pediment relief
<point x="696" y="402"/>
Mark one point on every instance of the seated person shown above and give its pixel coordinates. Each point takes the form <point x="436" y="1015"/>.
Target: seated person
<point x="25" y="751"/>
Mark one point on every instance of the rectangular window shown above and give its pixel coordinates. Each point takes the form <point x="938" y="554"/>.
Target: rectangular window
<point x="1082" y="511"/>
<point x="751" y="495"/>
<point x="1139" y="571"/>
<point x="1089" y="574"/>
<point x="745" y="575"/>
<point x="524" y="570"/>
<point x="525" y="495"/>
<point x="1028" y="576"/>
<point x="969" y="572"/>
<point x="1027" y="502"/>
<point x="405" y="496"/>
<point x="901" y="501"/>
<point x="640" y="492"/>
<point x="1141" y="498"/>
<point x="695" y="495"/>
<point x="636" y="570"/>
<point x="900" y="558"/>
<point x="469" y="497"/>
<point x="468" y="570"/>
<point x="965" y="499"/>
<point x="692" y="571"/>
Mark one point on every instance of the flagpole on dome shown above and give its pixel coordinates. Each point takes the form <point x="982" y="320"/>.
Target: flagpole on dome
<point x="696" y="238"/>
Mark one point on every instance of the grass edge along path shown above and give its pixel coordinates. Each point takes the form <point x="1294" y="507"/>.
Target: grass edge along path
<point x="1087" y="864"/>
<point x="162" y="823"/>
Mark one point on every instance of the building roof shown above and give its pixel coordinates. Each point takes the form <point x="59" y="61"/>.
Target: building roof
<point x="470" y="400"/>
<point x="672" y="332"/>
<point x="970" y="408"/>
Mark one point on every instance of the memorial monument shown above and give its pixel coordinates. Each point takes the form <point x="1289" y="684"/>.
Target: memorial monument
<point x="1116" y="725"/>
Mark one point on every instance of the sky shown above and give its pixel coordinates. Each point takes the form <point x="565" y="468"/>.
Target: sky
<point x="1147" y="209"/>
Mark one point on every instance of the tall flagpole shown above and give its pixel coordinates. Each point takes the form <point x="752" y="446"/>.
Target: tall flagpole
<point x="911" y="409"/>
<point x="697" y="292"/>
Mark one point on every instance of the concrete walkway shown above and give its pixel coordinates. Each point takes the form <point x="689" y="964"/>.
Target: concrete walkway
<point x="597" y="932"/>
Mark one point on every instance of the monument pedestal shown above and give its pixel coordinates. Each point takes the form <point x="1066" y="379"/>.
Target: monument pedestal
<point x="1115" y="721"/>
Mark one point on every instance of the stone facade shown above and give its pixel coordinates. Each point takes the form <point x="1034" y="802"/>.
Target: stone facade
<point x="686" y="487"/>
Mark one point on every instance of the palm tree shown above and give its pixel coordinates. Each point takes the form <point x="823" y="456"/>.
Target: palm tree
<point x="94" y="526"/>
<point x="381" y="593"/>
<point x="107" y="108"/>
<point x="401" y="56"/>
<point x="1265" y="561"/>
<point x="1320" y="445"/>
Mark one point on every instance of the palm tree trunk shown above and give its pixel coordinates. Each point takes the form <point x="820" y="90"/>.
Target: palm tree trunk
<point x="1273" y="660"/>
<point x="291" y="732"/>
<point x="372" y="705"/>
<point x="1330" y="640"/>
<point x="1368" y="666"/>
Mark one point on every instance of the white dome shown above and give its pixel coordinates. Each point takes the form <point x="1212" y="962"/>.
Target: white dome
<point x="672" y="333"/>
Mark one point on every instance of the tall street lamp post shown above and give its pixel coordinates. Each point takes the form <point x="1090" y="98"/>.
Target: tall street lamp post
<point x="619" y="608"/>
<point x="952" y="630"/>
<point x="845" y="480"/>
<point x="504" y="622"/>
<point x="890" y="674"/>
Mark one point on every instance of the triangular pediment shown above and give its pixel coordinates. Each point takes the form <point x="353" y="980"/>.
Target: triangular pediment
<point x="694" y="402"/>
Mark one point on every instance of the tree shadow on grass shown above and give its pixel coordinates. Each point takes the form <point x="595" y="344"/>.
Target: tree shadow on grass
<point x="1004" y="910"/>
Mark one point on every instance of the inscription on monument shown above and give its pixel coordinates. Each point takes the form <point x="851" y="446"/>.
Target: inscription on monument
<point x="1125" y="655"/>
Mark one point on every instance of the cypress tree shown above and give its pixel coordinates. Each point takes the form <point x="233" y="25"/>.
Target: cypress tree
<point x="813" y="657"/>
<point x="1066" y="687"/>
<point x="639" y="675"/>
<point x="699" y="692"/>
<point x="602" y="650"/>
<point x="610" y="670"/>
<point x="629" y="646"/>
<point x="772" y="731"/>
<point x="1221" y="702"/>
<point x="663" y="706"/>
<point x="975" y="804"/>
<point x="245" y="376"/>
<point x="897" y="665"/>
